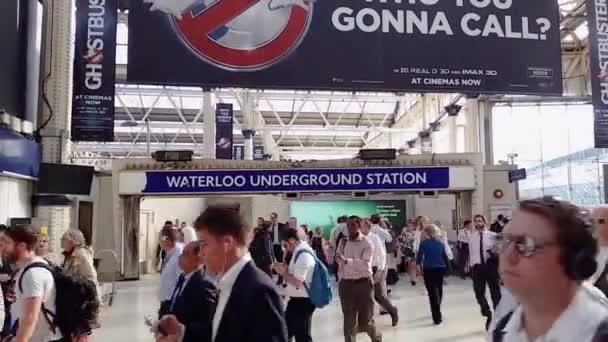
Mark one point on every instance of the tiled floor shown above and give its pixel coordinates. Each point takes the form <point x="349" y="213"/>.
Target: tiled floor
<point x="124" y="321"/>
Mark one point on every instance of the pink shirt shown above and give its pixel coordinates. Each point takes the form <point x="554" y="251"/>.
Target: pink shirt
<point x="358" y="254"/>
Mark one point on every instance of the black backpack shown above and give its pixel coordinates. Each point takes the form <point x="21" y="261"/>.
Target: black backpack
<point x="76" y="302"/>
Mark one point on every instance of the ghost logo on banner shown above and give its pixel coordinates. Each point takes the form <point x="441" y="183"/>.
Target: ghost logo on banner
<point x="228" y="34"/>
<point x="223" y="131"/>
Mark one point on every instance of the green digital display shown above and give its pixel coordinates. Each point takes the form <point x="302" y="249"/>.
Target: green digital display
<point x="325" y="213"/>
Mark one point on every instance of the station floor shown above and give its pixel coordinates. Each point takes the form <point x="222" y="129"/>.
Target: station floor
<point x="124" y="321"/>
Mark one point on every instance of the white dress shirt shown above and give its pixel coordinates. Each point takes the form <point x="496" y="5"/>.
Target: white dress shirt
<point x="464" y="235"/>
<point x="189" y="235"/>
<point x="489" y="240"/>
<point x="379" y="256"/>
<point x="301" y="269"/>
<point x="579" y="322"/>
<point x="601" y="258"/>
<point x="224" y="286"/>
<point x="170" y="273"/>
<point x="446" y="245"/>
<point x="383" y="234"/>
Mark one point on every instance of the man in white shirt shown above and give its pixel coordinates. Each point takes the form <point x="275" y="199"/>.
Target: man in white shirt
<point x="298" y="275"/>
<point x="464" y="235"/>
<point x="189" y="233"/>
<point x="600" y="221"/>
<point x="484" y="266"/>
<point x="38" y="288"/>
<point x="169" y="270"/>
<point x="379" y="271"/>
<point x="546" y="253"/>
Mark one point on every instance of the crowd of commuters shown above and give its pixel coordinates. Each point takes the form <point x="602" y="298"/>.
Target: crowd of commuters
<point x="546" y="269"/>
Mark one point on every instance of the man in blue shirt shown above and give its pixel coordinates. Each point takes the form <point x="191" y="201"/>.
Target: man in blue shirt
<point x="432" y="260"/>
<point x="169" y="270"/>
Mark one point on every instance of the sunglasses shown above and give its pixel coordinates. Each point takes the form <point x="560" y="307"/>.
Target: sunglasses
<point x="525" y="245"/>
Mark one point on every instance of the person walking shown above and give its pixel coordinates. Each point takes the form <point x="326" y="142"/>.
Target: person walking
<point x="464" y="235"/>
<point x="600" y="220"/>
<point x="484" y="264"/>
<point x="546" y="253"/>
<point x="356" y="286"/>
<point x="261" y="248"/>
<point x="298" y="276"/>
<point x="379" y="262"/>
<point x="432" y="262"/>
<point x="78" y="256"/>
<point x="318" y="245"/>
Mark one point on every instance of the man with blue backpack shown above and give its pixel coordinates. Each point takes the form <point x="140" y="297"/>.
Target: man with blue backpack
<point x="308" y="285"/>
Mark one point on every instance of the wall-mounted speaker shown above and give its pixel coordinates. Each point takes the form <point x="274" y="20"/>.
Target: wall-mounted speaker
<point x="292" y="195"/>
<point x="429" y="194"/>
<point x="359" y="194"/>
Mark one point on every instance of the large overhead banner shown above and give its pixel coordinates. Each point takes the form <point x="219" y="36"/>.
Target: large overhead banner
<point x="472" y="46"/>
<point x="94" y="70"/>
<point x="597" y="12"/>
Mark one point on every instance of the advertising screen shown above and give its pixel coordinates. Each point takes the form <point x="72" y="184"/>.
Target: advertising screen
<point x="471" y="46"/>
<point x="325" y="213"/>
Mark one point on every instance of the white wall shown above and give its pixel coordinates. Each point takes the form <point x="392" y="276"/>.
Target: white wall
<point x="264" y="205"/>
<point x="497" y="178"/>
<point x="438" y="209"/>
<point x="15" y="198"/>
<point x="171" y="208"/>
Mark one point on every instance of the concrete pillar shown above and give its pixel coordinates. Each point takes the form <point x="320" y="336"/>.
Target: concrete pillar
<point x="471" y="134"/>
<point x="452" y="128"/>
<point x="55" y="118"/>
<point x="209" y="127"/>
<point x="248" y="134"/>
<point x="270" y="145"/>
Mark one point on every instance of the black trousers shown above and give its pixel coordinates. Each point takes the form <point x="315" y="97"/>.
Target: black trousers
<point x="486" y="274"/>
<point x="299" y="319"/>
<point x="433" y="280"/>
<point x="463" y="258"/>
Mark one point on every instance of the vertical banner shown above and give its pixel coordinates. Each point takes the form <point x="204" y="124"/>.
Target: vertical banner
<point x="239" y="152"/>
<point x="94" y="70"/>
<point x="223" y="131"/>
<point x="598" y="58"/>
<point x="258" y="152"/>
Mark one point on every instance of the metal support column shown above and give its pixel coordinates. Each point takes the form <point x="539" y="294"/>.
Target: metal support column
<point x="55" y="119"/>
<point x="471" y="135"/>
<point x="209" y="127"/>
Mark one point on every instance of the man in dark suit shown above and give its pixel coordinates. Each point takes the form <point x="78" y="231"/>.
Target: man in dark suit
<point x="276" y="231"/>
<point x="194" y="299"/>
<point x="249" y="308"/>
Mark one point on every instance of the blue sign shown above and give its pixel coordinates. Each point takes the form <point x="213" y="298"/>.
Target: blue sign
<point x="18" y="154"/>
<point x="517" y="175"/>
<point x="305" y="180"/>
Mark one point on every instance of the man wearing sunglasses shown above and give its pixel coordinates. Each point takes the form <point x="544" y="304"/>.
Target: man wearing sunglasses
<point x="546" y="253"/>
<point x="600" y="224"/>
<point x="484" y="266"/>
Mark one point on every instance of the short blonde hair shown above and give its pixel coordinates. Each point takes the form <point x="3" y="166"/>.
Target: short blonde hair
<point x="432" y="231"/>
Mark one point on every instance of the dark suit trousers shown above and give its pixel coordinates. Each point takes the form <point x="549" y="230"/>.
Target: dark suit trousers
<point x="358" y="308"/>
<point x="433" y="280"/>
<point x="299" y="319"/>
<point x="486" y="274"/>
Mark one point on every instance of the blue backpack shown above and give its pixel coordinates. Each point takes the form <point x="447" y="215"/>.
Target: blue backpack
<point x="320" y="287"/>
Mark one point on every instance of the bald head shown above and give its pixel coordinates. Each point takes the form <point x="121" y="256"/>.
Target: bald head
<point x="600" y="221"/>
<point x="190" y="259"/>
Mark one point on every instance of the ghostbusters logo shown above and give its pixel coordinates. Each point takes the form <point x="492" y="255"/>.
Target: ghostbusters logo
<point x="239" y="35"/>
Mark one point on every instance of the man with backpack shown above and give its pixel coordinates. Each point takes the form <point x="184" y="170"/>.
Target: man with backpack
<point x="305" y="277"/>
<point x="50" y="305"/>
<point x="546" y="254"/>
